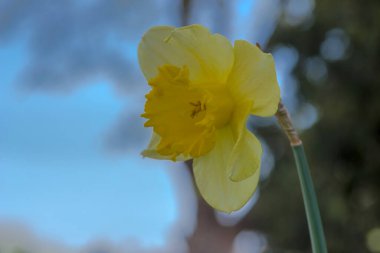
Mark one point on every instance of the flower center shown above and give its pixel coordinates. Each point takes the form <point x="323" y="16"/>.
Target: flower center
<point x="185" y="115"/>
<point x="198" y="107"/>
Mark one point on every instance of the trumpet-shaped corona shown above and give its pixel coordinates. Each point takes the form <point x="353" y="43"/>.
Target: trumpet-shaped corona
<point x="203" y="91"/>
<point x="185" y="116"/>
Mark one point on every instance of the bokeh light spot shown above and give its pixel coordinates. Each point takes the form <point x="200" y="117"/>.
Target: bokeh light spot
<point x="373" y="240"/>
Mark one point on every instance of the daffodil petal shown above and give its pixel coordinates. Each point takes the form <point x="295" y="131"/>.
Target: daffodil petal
<point x="253" y="77"/>
<point x="240" y="117"/>
<point x="208" y="56"/>
<point x="151" y="151"/>
<point x="212" y="176"/>
<point x="246" y="145"/>
<point x="246" y="157"/>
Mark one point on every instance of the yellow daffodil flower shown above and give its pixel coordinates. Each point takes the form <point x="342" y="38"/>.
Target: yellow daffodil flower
<point x="203" y="91"/>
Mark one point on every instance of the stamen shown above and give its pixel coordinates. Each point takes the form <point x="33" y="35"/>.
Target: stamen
<point x="198" y="108"/>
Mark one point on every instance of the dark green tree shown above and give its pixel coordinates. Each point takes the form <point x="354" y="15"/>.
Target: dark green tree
<point x="344" y="145"/>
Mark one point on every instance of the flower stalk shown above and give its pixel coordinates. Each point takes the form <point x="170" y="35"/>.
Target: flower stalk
<point x="317" y="237"/>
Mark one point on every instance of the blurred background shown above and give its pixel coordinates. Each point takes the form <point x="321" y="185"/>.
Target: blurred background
<point x="71" y="92"/>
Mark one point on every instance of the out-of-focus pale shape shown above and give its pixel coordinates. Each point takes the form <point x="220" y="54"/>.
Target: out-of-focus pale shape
<point x="231" y="219"/>
<point x="267" y="161"/>
<point x="211" y="13"/>
<point x="286" y="58"/>
<point x="298" y="11"/>
<point x="254" y="20"/>
<point x="249" y="241"/>
<point x="306" y="117"/>
<point x="15" y="237"/>
<point x="315" y="70"/>
<point x="335" y="45"/>
<point x="373" y="240"/>
<point x="186" y="200"/>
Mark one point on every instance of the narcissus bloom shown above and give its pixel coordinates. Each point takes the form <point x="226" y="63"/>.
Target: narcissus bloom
<point x="203" y="90"/>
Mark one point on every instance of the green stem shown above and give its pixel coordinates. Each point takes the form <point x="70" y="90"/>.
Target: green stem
<point x="317" y="236"/>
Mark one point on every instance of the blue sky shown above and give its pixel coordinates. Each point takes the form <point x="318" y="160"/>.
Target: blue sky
<point x="70" y="95"/>
<point x="55" y="174"/>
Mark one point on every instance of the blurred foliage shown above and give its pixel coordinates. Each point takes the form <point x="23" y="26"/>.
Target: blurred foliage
<point x="343" y="147"/>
